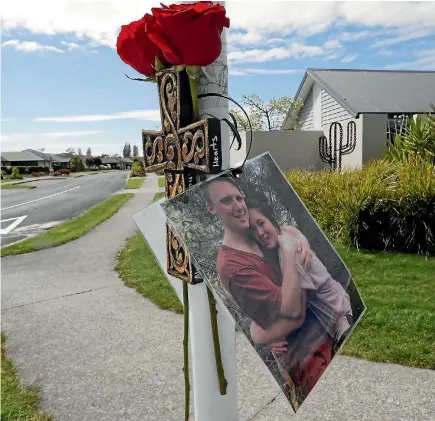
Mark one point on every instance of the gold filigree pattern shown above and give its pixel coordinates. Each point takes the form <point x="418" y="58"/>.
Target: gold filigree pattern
<point x="179" y="264"/>
<point x="175" y="148"/>
<point x="174" y="184"/>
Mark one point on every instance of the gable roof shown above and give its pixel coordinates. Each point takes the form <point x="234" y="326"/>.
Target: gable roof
<point x="374" y="91"/>
<point x="20" y="156"/>
<point x="47" y="156"/>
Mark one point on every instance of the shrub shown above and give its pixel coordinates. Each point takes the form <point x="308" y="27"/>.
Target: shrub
<point x="63" y="171"/>
<point x="387" y="206"/>
<point x="137" y="169"/>
<point x="15" y="174"/>
<point x="77" y="164"/>
<point x="416" y="138"/>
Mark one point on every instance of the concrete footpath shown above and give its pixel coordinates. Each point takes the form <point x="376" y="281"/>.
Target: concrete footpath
<point x="100" y="351"/>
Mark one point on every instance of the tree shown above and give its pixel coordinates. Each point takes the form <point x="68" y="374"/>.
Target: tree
<point x="76" y="163"/>
<point x="105" y="155"/>
<point x="90" y="161"/>
<point x="71" y="151"/>
<point x="135" y="150"/>
<point x="97" y="161"/>
<point x="79" y="152"/>
<point x="89" y="151"/>
<point x="270" y="115"/>
<point x="126" y="151"/>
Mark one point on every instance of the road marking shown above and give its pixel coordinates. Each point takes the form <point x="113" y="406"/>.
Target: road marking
<point x="9" y="228"/>
<point x="41" y="198"/>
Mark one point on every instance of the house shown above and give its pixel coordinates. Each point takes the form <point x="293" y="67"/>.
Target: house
<point x="33" y="158"/>
<point x="117" y="162"/>
<point x="56" y="160"/>
<point x="378" y="101"/>
<point x="22" y="159"/>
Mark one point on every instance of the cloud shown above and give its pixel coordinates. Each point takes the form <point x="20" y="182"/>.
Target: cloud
<point x="30" y="46"/>
<point x="400" y="37"/>
<point x="355" y="36"/>
<point x="73" y="134"/>
<point x="333" y="44"/>
<point x="255" y="71"/>
<point x="100" y="21"/>
<point x="296" y="50"/>
<point x="424" y="60"/>
<point x="150" y="115"/>
<point x="350" y="58"/>
<point x="70" y="45"/>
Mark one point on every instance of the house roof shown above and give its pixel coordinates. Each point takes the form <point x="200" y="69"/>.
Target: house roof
<point x="48" y="156"/>
<point x="20" y="156"/>
<point x="115" y="160"/>
<point x="374" y="91"/>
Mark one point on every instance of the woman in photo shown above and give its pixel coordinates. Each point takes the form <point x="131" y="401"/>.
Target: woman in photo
<point x="324" y="296"/>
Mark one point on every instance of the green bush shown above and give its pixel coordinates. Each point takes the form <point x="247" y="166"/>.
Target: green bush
<point x="15" y="174"/>
<point x="25" y="170"/>
<point x="137" y="169"/>
<point x="416" y="138"/>
<point x="388" y="206"/>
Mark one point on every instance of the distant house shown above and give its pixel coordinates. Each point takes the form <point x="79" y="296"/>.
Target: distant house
<point x="378" y="101"/>
<point x="33" y="158"/>
<point x="117" y="162"/>
<point x="56" y="160"/>
<point x="22" y="159"/>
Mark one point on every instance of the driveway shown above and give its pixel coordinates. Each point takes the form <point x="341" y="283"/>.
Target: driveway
<point x="27" y="212"/>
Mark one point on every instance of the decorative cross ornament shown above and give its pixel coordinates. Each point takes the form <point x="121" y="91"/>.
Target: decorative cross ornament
<point x="181" y="149"/>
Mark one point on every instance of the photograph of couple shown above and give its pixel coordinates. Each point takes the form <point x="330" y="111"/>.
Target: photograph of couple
<point x="263" y="254"/>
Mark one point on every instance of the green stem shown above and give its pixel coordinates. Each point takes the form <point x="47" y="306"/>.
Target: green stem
<point x="194" y="93"/>
<point x="186" y="352"/>
<point x="217" y="348"/>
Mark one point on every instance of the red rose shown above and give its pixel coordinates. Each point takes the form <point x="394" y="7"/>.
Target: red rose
<point x="136" y="49"/>
<point x="188" y="34"/>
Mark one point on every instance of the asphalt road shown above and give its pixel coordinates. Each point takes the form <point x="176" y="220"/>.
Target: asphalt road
<point x="26" y="212"/>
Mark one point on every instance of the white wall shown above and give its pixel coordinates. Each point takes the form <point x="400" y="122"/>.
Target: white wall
<point x="291" y="149"/>
<point x="306" y="114"/>
<point x="331" y="110"/>
<point x="374" y="135"/>
<point x="353" y="160"/>
<point x="317" y="107"/>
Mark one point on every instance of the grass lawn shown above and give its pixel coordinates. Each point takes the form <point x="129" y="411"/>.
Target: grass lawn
<point x="161" y="181"/>
<point x="147" y="277"/>
<point x="157" y="196"/>
<point x="398" y="290"/>
<point x="399" y="323"/>
<point x="72" y="229"/>
<point x="17" y="403"/>
<point x="16" y="186"/>
<point x="135" y="183"/>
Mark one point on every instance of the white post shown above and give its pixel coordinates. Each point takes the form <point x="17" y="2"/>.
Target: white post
<point x="209" y="404"/>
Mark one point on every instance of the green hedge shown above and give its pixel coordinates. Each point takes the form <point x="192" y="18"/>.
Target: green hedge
<point x="22" y="170"/>
<point x="383" y="206"/>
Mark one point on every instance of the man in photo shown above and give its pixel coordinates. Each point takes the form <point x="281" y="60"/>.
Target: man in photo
<point x="268" y="294"/>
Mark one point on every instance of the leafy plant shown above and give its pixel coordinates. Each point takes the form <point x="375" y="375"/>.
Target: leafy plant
<point x="137" y="168"/>
<point x="77" y="164"/>
<point x="416" y="137"/>
<point x="15" y="173"/>
<point x="383" y="206"/>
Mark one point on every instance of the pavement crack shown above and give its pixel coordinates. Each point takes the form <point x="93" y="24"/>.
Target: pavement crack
<point x="263" y="408"/>
<point x="54" y="298"/>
